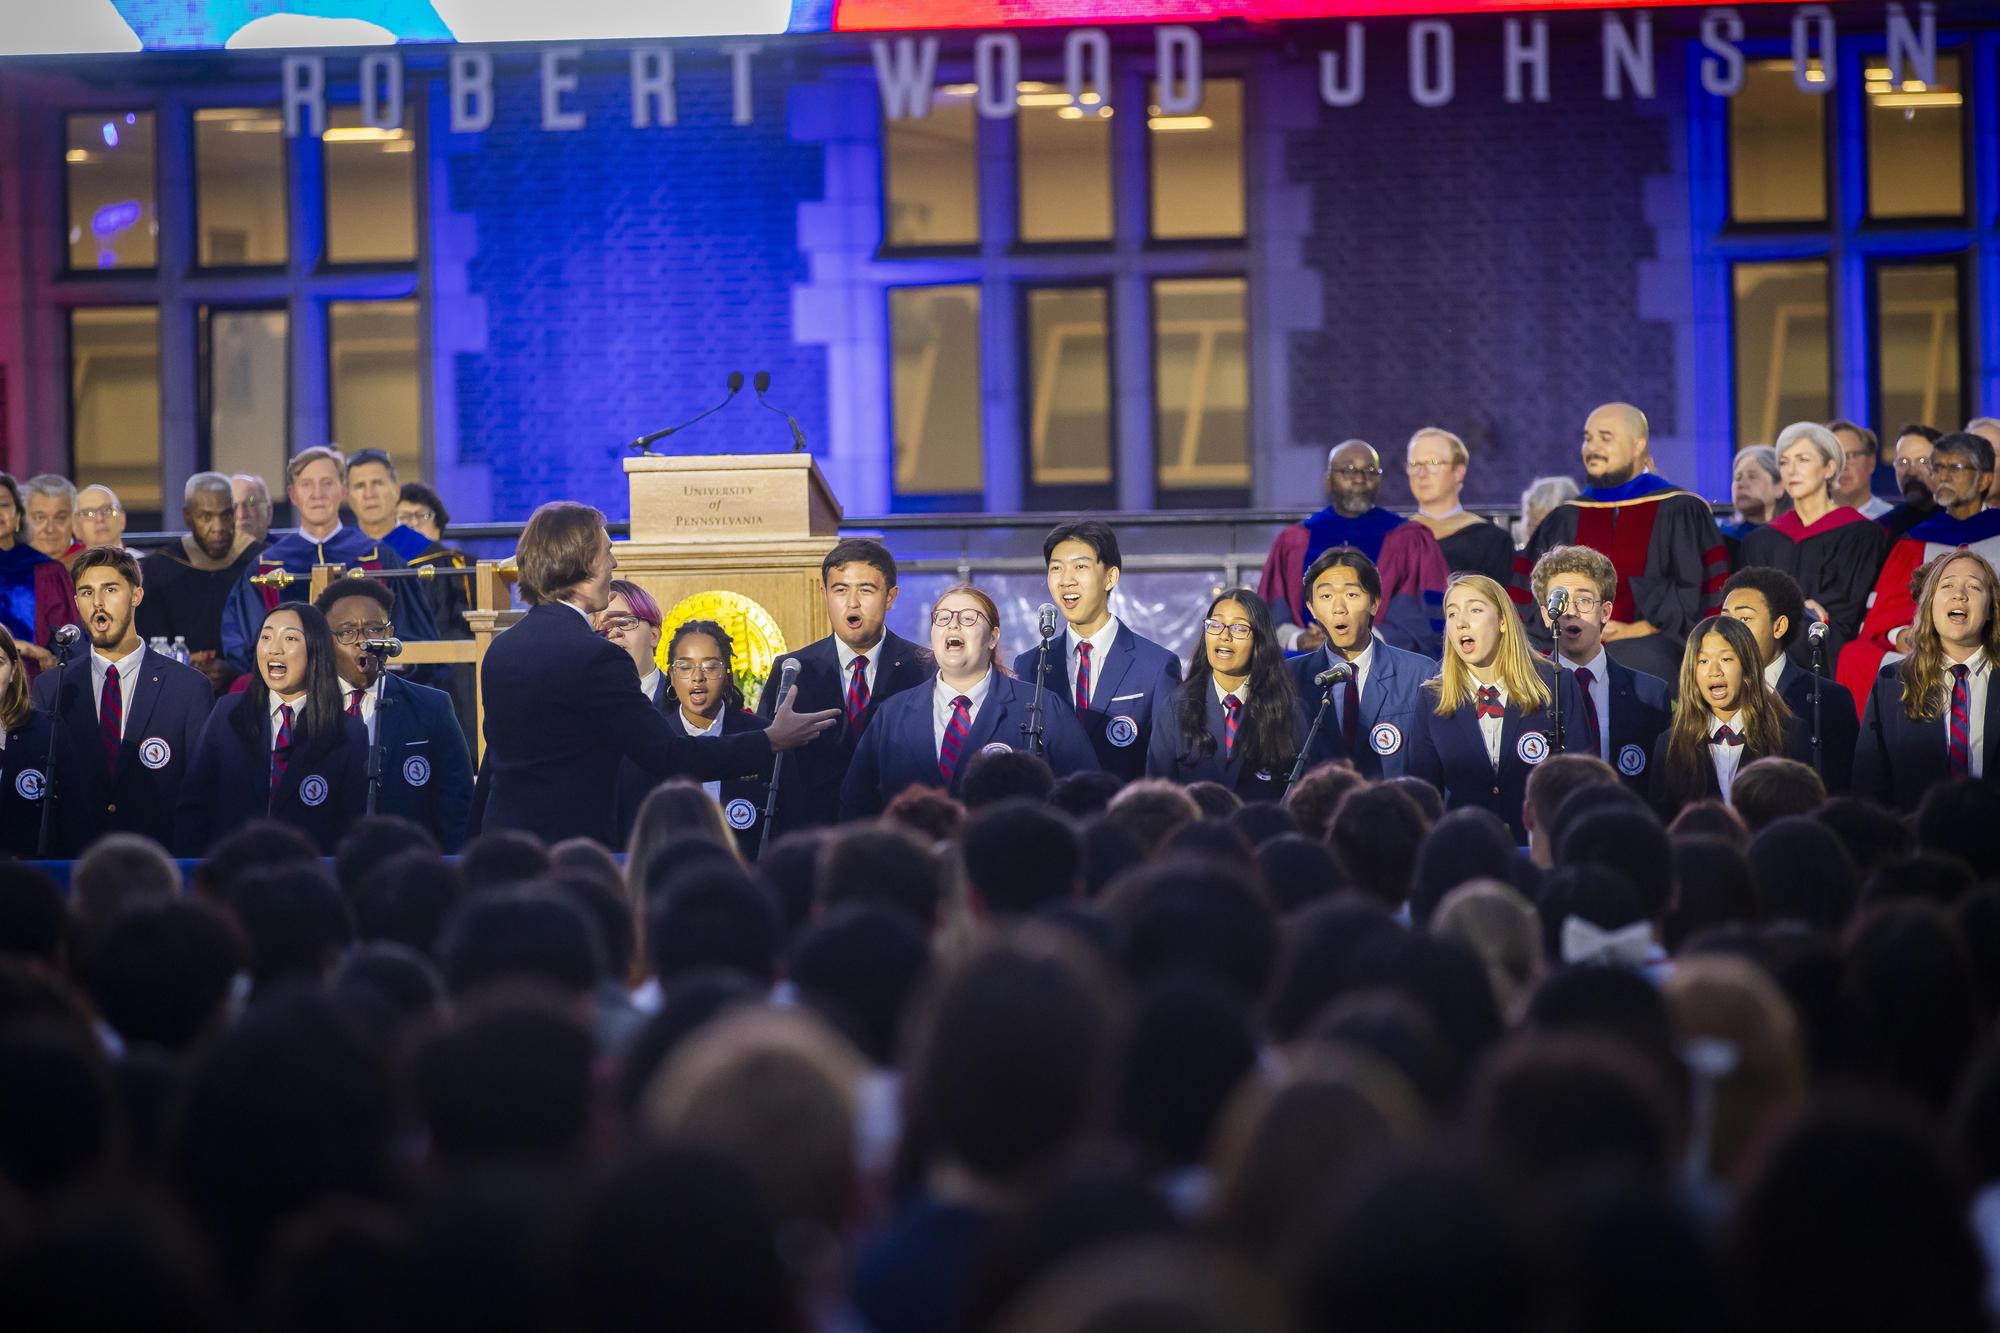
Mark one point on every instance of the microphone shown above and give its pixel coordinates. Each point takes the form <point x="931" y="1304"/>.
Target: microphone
<point x="1051" y="620"/>
<point x="787" y="676"/>
<point x="67" y="636"/>
<point x="798" y="436"/>
<point x="382" y="647"/>
<point x="1558" y="601"/>
<point x="644" y="444"/>
<point x="1333" y="675"/>
<point x="1816" y="632"/>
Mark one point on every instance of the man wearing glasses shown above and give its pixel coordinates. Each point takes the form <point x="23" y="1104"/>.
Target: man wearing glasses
<point x="426" y="769"/>
<point x="1961" y="484"/>
<point x="1913" y="479"/>
<point x="1854" y="485"/>
<point x="1406" y="553"/>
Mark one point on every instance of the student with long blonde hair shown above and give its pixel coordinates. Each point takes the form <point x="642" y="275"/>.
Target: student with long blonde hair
<point x="24" y="760"/>
<point x="1934" y="716"/>
<point x="1489" y="722"/>
<point x="1728" y="716"/>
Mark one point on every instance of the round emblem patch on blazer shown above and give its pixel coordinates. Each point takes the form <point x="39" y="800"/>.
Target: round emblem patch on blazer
<point x="1121" y="731"/>
<point x="740" y="813"/>
<point x="1386" y="739"/>
<point x="313" y="790"/>
<point x="155" y="753"/>
<point x="416" y="770"/>
<point x="29" y="782"/>
<point x="1264" y="775"/>
<point x="1533" y="747"/>
<point x="997" y="747"/>
<point x="1631" y="760"/>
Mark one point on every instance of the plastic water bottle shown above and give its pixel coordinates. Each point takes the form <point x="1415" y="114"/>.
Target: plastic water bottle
<point x="180" y="650"/>
<point x="158" y="644"/>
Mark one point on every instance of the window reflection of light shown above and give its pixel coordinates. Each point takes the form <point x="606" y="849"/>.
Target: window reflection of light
<point x="110" y="135"/>
<point x="111" y="219"/>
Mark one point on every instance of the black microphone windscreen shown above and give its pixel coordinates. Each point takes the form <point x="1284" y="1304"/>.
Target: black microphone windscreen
<point x="763" y="382"/>
<point x="736" y="381"/>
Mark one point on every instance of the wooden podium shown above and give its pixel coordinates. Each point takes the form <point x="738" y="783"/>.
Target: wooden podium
<point x="740" y="535"/>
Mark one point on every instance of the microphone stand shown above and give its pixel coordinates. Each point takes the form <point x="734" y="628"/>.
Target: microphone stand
<point x="1033" y="726"/>
<point x="1818" y="647"/>
<point x="1335" y="675"/>
<point x="49" y="760"/>
<point x="777" y="768"/>
<point x="1559" y="700"/>
<point x="374" y="741"/>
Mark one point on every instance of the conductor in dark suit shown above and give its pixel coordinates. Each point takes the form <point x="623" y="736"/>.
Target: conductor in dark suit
<point x="1116" y="682"/>
<point x="856" y="669"/>
<point x="1624" y="710"/>
<point x="131" y="717"/>
<point x="426" y="769"/>
<point x="1374" y="711"/>
<point x="563" y="705"/>
<point x="1772" y="607"/>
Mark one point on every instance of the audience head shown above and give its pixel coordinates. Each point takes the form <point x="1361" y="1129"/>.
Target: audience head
<point x="1871" y="834"/>
<point x="502" y="859"/>
<point x="258" y="844"/>
<point x="1755" y="1061"/>
<point x="1632" y="843"/>
<point x="1193" y="918"/>
<point x="1298" y="870"/>
<point x="1715" y="887"/>
<point x="1318" y="793"/>
<point x="1083" y="794"/>
<point x="858" y="967"/>
<point x="1803" y="873"/>
<point x="1962" y="819"/>
<point x="522" y="935"/>
<point x="1150" y="809"/>
<point x="927" y="813"/>
<point x="507" y="1082"/>
<point x="1550" y="784"/>
<point x="405" y="899"/>
<point x="296" y="921"/>
<point x="883" y="865"/>
<point x="1773" y="788"/>
<point x="1020" y="856"/>
<point x="1375" y="834"/>
<point x="163" y="972"/>
<point x="1468" y="844"/>
<point x="674" y="811"/>
<point x="714" y="917"/>
<point x="1492" y="919"/>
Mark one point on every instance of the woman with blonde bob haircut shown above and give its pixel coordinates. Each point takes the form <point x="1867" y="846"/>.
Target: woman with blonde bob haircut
<point x="1493" y="720"/>
<point x="1728" y="716"/>
<point x="23" y="779"/>
<point x="1918" y="722"/>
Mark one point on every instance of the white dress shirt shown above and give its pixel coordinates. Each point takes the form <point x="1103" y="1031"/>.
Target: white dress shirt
<point x="1978" y="678"/>
<point x="1726" y="758"/>
<point x="1774" y="669"/>
<point x="1599" y="668"/>
<point x="1492" y="730"/>
<point x="941" y="697"/>
<point x="321" y="539"/>
<point x="649" y="684"/>
<point x="298" y="706"/>
<point x="1875" y="507"/>
<point x="693" y="728"/>
<point x="869" y="673"/>
<point x="128" y="679"/>
<point x="1100" y="644"/>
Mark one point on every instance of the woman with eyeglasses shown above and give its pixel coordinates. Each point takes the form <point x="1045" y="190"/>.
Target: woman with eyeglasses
<point x="283" y="748"/>
<point x="1489" y="722"/>
<point x="24" y="758"/>
<point x="701" y="678"/>
<point x="929" y="737"/>
<point x="1237" y="718"/>
<point x="1833" y="551"/>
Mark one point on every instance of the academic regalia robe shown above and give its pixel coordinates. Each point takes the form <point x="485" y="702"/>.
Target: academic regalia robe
<point x="298" y="553"/>
<point x="1835" y="562"/>
<point x="1669" y="555"/>
<point x="1893" y="605"/>
<point x="1406" y="555"/>
<point x="36" y="598"/>
<point x="450" y="594"/>
<point x="1480" y="548"/>
<point x="185" y="599"/>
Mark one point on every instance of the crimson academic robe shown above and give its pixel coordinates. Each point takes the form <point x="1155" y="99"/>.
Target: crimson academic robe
<point x="248" y="602"/>
<point x="1835" y="562"/>
<point x="1893" y="605"/>
<point x="1670" y="560"/>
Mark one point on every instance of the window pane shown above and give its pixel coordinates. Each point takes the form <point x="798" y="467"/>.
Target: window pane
<point x="1201" y="384"/>
<point x="377" y="387"/>
<point x="1069" y="383"/>
<point x="1784" y="367"/>
<point x="1916" y="152"/>
<point x="114" y="360"/>
<point x="1917" y="345"/>
<point x="1777" y="148"/>
<point x="1198" y="164"/>
<point x="1065" y="166"/>
<point x="113" y="221"/>
<point x="239" y="157"/>
<point x="934" y="332"/>
<point x="246" y="380"/>
<point x="371" y="191"/>
<point x="931" y="174"/>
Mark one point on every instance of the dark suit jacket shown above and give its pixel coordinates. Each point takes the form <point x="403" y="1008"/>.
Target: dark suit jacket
<point x="1642" y="706"/>
<point x="1172" y="755"/>
<point x="1450" y="753"/>
<point x="1839" y="721"/>
<point x="23" y="780"/>
<point x="1897" y="760"/>
<point x="1135" y="681"/>
<point x="899" y="749"/>
<point x="1668" y="797"/>
<point x="562" y="705"/>
<point x="1391" y="697"/>
<point x="426" y="767"/>
<point x="228" y="784"/>
<point x="809" y="787"/>
<point x="742" y="798"/>
<point x="170" y="705"/>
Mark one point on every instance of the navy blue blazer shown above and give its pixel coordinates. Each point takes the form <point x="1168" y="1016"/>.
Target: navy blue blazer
<point x="1897" y="760"/>
<point x="742" y="798"/>
<point x="170" y="704"/>
<point x="426" y="767"/>
<point x="228" y="784"/>
<point x="1839" y="723"/>
<point x="1642" y="706"/>
<point x="1668" y="797"/>
<point x="1172" y="754"/>
<point x="1391" y="698"/>
<point x="899" y="749"/>
<point x="1135" y="682"/>
<point x="23" y="780"/>
<point x="1450" y="753"/>
<point x="562" y="705"/>
<point x="809" y="789"/>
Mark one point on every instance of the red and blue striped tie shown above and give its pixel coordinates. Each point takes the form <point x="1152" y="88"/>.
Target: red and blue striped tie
<point x="1232" y="711"/>
<point x="1083" y="677"/>
<point x="281" y="749"/>
<point x="955" y="733"/>
<point x="111" y="716"/>
<point x="857" y="693"/>
<point x="1961" y="722"/>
